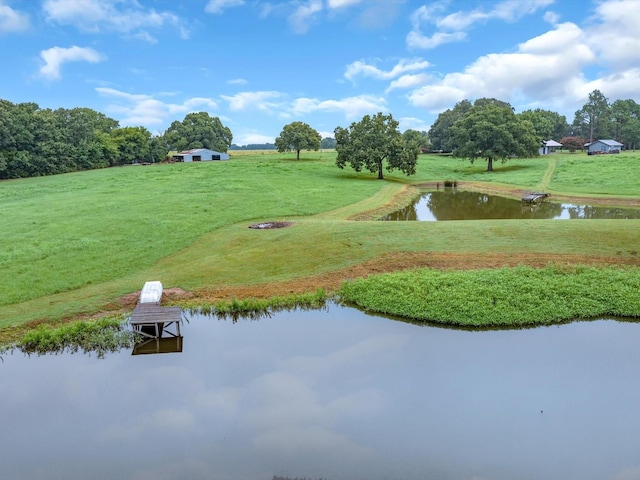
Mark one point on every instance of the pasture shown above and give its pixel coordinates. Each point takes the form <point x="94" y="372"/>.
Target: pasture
<point x="73" y="245"/>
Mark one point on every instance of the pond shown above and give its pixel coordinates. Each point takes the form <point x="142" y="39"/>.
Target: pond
<point x="333" y="394"/>
<point x="453" y="204"/>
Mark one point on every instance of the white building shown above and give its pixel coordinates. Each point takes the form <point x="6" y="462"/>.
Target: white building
<point x="199" y="155"/>
<point x="548" y="146"/>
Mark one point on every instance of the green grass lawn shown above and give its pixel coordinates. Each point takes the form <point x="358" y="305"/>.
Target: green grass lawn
<point x="73" y="243"/>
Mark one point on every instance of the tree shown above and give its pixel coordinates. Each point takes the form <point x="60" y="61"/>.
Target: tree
<point x="592" y="120"/>
<point x="198" y="130"/>
<point x="440" y="132"/>
<point x="328" y="143"/>
<point x="420" y="138"/>
<point x="573" y="143"/>
<point x="298" y="136"/>
<point x="371" y="141"/>
<point x="547" y="124"/>
<point x="132" y="144"/>
<point x="492" y="130"/>
<point x="631" y="133"/>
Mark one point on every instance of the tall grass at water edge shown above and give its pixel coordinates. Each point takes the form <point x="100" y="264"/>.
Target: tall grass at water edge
<point x="506" y="297"/>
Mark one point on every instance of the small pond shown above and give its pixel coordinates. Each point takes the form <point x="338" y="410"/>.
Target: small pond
<point x="452" y="204"/>
<point x="333" y="394"/>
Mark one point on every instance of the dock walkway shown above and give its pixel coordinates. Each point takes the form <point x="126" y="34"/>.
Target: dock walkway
<point x="151" y="320"/>
<point x="534" y="197"/>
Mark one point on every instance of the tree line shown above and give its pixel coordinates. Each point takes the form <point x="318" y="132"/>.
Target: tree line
<point x="597" y="119"/>
<point x="38" y="141"/>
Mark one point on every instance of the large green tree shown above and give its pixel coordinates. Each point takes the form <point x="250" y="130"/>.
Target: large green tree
<point x="198" y="130"/>
<point x="548" y="125"/>
<point x="419" y="138"/>
<point x="371" y="141"/>
<point x="491" y="130"/>
<point x="440" y="132"/>
<point x="298" y="136"/>
<point x="132" y="144"/>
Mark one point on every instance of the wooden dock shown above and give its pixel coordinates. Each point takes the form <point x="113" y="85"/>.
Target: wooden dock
<point x="152" y="320"/>
<point x="534" y="197"/>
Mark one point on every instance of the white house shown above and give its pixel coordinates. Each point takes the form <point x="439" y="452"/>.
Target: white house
<point x="199" y="155"/>
<point x="604" y="146"/>
<point x="548" y="146"/>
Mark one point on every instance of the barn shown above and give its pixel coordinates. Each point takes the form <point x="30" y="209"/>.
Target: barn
<point x="199" y="155"/>
<point x="604" y="146"/>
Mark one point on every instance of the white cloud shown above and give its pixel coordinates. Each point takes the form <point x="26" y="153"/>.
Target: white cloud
<point x="545" y="67"/>
<point x="55" y="57"/>
<point x="218" y="6"/>
<point x="12" y="20"/>
<point x="251" y="137"/>
<point x="409" y="81"/>
<point x="342" y="3"/>
<point x="361" y="68"/>
<point x="148" y="111"/>
<point x="237" y="81"/>
<point x="352" y="107"/>
<point x="415" y="39"/>
<point x="451" y="28"/>
<point x="406" y="123"/>
<point x="259" y="100"/>
<point x="124" y="16"/>
<point x="303" y="15"/>
<point x="616" y="33"/>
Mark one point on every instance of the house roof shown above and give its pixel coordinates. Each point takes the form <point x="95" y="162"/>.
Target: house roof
<point x="611" y="143"/>
<point x="196" y="151"/>
<point x="551" y="143"/>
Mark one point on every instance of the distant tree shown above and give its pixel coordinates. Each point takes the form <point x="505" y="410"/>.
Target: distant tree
<point x="548" y="125"/>
<point x="132" y="144"/>
<point x="421" y="139"/>
<point x="440" y="132"/>
<point x="371" y="141"/>
<point x="573" y="143"/>
<point x="592" y="120"/>
<point x="198" y="130"/>
<point x="631" y="133"/>
<point x="253" y="146"/>
<point x="158" y="149"/>
<point x="328" y="143"/>
<point x="298" y="136"/>
<point x="491" y="130"/>
<point x="622" y="113"/>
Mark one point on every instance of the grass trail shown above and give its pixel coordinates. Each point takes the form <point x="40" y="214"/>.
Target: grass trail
<point x="548" y="174"/>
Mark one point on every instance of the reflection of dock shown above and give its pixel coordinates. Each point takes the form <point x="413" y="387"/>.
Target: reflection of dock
<point x="534" y="197"/>
<point x="158" y="345"/>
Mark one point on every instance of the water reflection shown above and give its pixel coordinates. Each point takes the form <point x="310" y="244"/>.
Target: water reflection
<point x="453" y="204"/>
<point x="332" y="394"/>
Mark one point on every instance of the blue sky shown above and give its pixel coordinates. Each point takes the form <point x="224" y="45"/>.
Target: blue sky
<point x="259" y="65"/>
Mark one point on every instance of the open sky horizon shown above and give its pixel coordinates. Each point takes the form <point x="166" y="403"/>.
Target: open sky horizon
<point x="259" y="65"/>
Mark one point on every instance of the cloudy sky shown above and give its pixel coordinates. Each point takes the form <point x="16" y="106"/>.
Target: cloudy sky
<point x="260" y="64"/>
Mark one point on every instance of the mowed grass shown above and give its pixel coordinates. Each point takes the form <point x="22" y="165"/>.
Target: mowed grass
<point x="72" y="244"/>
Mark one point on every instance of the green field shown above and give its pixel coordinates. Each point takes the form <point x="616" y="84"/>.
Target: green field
<point x="73" y="244"/>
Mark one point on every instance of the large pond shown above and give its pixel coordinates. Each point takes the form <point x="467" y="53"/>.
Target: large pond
<point x="332" y="394"/>
<point x="453" y="204"/>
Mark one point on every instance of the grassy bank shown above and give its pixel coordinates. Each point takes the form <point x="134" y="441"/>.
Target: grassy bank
<point x="74" y="244"/>
<point x="506" y="297"/>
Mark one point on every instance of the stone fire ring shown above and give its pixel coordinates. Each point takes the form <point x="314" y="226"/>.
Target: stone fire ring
<point x="267" y="225"/>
